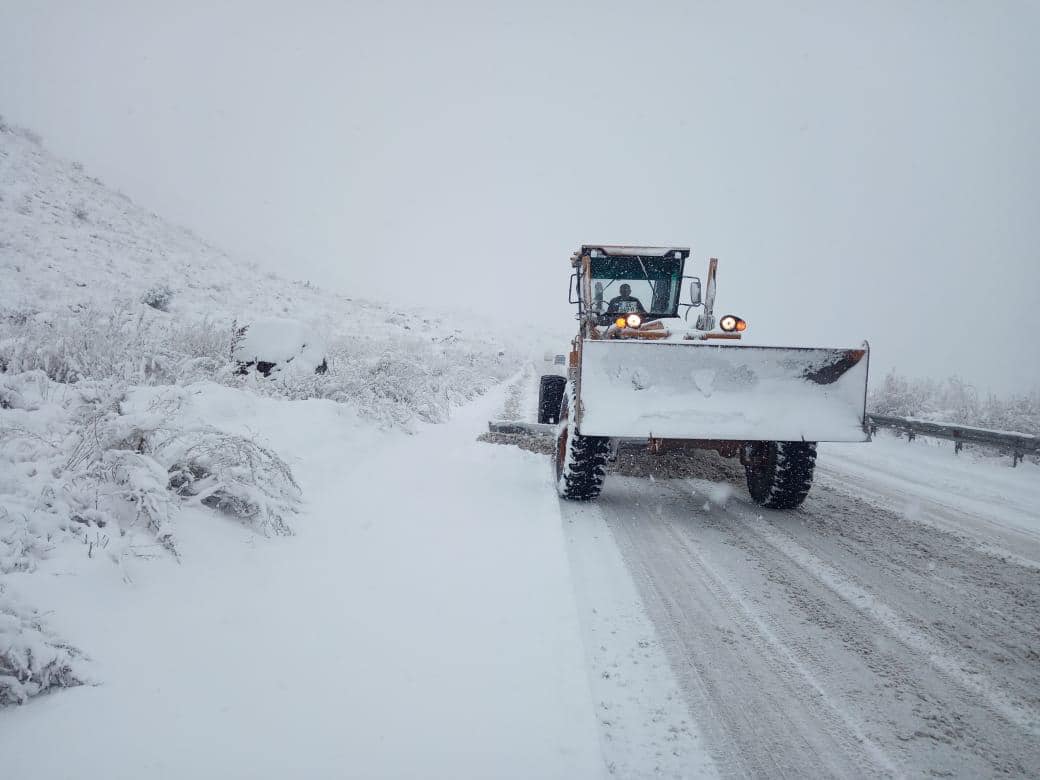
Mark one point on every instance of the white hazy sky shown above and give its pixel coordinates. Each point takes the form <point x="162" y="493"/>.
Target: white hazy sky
<point x="861" y="169"/>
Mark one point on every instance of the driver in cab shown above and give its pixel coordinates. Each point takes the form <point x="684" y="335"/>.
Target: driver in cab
<point x="625" y="303"/>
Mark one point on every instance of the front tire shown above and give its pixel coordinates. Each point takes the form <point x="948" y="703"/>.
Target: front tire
<point x="580" y="461"/>
<point x="550" y="398"/>
<point x="779" y="473"/>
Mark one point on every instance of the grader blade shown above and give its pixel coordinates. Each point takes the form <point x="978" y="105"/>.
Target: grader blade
<point x="679" y="390"/>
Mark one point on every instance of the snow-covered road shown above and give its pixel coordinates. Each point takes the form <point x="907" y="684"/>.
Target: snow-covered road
<point x="841" y="640"/>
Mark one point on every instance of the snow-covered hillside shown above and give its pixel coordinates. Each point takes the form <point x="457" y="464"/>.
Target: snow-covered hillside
<point x="117" y="384"/>
<point x="94" y="286"/>
<point x="68" y="242"/>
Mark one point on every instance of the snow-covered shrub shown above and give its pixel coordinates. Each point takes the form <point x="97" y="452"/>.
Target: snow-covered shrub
<point x="955" y="401"/>
<point x="108" y="467"/>
<point x="131" y="488"/>
<point x="133" y="343"/>
<point x="158" y="297"/>
<point x="396" y="381"/>
<point x="231" y="474"/>
<point x="74" y="461"/>
<point x="32" y="660"/>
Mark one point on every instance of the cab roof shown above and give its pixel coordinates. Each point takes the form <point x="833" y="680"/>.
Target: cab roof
<point x="631" y="251"/>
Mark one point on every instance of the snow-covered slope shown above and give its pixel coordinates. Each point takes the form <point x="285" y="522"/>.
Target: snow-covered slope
<point x="116" y="328"/>
<point x="68" y="241"/>
<point x="95" y="286"/>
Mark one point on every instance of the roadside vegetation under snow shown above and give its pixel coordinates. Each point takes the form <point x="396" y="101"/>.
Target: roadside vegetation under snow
<point x="116" y="330"/>
<point x="953" y="400"/>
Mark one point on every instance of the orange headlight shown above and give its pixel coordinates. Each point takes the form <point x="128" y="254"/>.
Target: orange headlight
<point x="620" y="322"/>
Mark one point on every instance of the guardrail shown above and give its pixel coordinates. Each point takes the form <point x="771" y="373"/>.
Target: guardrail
<point x="1017" y="444"/>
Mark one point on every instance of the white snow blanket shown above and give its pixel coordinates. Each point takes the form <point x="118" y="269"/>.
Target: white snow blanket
<point x="420" y="623"/>
<point x="696" y="390"/>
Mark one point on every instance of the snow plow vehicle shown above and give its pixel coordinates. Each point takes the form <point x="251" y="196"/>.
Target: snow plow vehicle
<point x="639" y="374"/>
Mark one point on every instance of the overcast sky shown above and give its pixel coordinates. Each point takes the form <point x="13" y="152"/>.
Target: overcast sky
<point x="862" y="170"/>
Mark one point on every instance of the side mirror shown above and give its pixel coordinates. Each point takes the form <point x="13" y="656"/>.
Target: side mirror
<point x="695" y="291"/>
<point x="572" y="292"/>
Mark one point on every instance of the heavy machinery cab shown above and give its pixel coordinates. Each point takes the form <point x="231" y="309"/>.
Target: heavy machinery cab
<point x="652" y="277"/>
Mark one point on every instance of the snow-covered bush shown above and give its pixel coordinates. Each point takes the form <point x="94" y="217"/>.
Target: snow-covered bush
<point x="231" y="474"/>
<point x="954" y="400"/>
<point x="396" y="381"/>
<point x="158" y="297"/>
<point x="104" y="465"/>
<point x="32" y="660"/>
<point x="74" y="467"/>
<point x="392" y="379"/>
<point x="134" y="343"/>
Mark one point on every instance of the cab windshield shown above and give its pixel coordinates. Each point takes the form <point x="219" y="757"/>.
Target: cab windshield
<point x="651" y="285"/>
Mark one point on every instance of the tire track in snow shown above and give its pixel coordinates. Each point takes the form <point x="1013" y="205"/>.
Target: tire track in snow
<point x="862" y="599"/>
<point x="976" y="610"/>
<point x="988" y="532"/>
<point x="839" y="640"/>
<point x="1000" y="729"/>
<point x="753" y="696"/>
<point x="645" y="727"/>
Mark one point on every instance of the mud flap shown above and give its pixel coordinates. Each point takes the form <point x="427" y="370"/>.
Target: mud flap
<point x="697" y="390"/>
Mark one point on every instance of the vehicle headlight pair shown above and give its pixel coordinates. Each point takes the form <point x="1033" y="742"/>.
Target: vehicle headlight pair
<point x="730" y="323"/>
<point x="631" y="321"/>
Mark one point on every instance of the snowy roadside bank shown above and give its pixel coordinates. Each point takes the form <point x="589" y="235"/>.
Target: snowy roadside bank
<point x="395" y="635"/>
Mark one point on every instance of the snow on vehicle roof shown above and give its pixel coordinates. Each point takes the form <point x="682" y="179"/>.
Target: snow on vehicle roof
<point x="649" y="251"/>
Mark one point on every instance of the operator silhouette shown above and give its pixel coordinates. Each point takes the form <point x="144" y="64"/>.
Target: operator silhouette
<point x="625" y="303"/>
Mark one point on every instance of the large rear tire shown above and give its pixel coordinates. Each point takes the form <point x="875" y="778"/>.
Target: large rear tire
<point x="779" y="473"/>
<point x="550" y="398"/>
<point x="580" y="462"/>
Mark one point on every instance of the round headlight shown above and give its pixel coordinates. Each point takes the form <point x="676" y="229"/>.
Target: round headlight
<point x="728" y="323"/>
<point x="634" y="320"/>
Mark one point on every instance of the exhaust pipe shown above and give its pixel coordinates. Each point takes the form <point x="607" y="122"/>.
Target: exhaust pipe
<point x="706" y="320"/>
